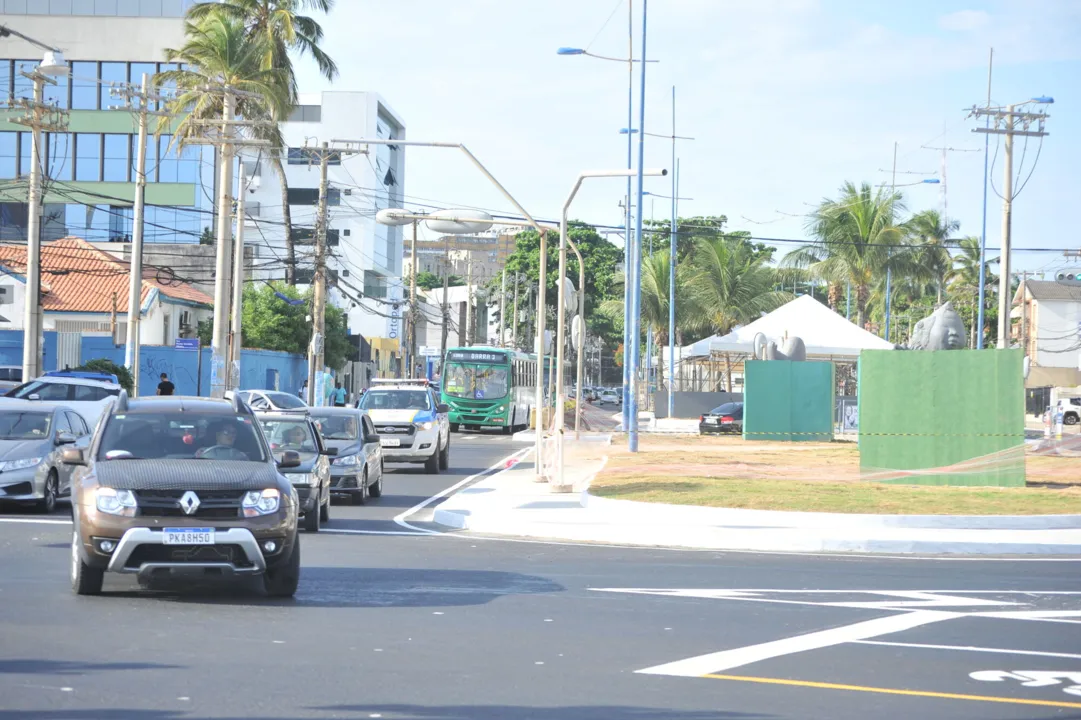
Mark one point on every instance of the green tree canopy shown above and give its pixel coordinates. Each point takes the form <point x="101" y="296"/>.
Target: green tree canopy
<point x="430" y="281"/>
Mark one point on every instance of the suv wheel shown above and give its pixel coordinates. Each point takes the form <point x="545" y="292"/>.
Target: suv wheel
<point x="431" y="465"/>
<point x="48" y="502"/>
<point x="454" y="427"/>
<point x="84" y="580"/>
<point x="444" y="455"/>
<point x="1070" y="419"/>
<point x="360" y="496"/>
<point x="311" y="520"/>
<point x="282" y="581"/>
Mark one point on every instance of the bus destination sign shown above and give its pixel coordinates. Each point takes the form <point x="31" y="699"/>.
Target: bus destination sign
<point x="476" y="356"/>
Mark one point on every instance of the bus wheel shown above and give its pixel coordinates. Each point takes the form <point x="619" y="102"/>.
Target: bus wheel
<point x="508" y="429"/>
<point x="454" y="427"/>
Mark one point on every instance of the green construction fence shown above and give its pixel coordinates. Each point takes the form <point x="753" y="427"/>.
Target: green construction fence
<point x="953" y="417"/>
<point x="788" y="400"/>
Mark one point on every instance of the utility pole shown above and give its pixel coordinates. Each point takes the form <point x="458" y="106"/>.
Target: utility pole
<point x="503" y="306"/>
<point x="38" y="116"/>
<point x="446" y="309"/>
<point x="889" y="274"/>
<point x="514" y="320"/>
<point x="112" y="320"/>
<point x="236" y="331"/>
<point x="1024" y="315"/>
<point x="413" y="305"/>
<point x="1006" y="123"/>
<point x="469" y="332"/>
<point x="135" y="271"/>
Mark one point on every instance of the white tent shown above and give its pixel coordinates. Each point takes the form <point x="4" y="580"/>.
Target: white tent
<point x="824" y="332"/>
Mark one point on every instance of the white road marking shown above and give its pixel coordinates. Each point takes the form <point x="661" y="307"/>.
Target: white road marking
<point x="35" y="521"/>
<point x="1033" y="678"/>
<point x="469" y="437"/>
<point x="345" y="531"/>
<point x="737" y="657"/>
<point x="909" y="599"/>
<point x="499" y="466"/>
<point x="967" y="648"/>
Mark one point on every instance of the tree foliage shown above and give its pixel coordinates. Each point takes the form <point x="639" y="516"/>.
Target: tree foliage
<point x="430" y="281"/>
<point x="104" y="365"/>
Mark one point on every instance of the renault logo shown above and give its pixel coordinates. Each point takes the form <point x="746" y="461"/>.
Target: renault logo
<point x="189" y="503"/>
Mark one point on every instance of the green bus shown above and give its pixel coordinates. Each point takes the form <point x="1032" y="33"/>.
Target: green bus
<point x="489" y="386"/>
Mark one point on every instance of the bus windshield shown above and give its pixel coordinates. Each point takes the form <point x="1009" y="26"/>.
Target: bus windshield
<point x="480" y="382"/>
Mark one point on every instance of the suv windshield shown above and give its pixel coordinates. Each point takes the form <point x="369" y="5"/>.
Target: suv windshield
<point x="395" y="400"/>
<point x="337" y="427"/>
<point x="25" y="425"/>
<point x="180" y="435"/>
<point x="475" y="381"/>
<point x="289" y="434"/>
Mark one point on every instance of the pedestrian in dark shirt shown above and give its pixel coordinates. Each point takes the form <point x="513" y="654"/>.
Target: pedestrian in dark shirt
<point x="165" y="387"/>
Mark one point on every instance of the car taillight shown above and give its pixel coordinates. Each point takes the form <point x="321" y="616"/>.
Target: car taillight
<point x="701" y="418"/>
<point x="727" y="418"/>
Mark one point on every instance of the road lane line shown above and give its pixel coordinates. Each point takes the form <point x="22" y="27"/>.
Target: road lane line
<point x="347" y="531"/>
<point x="499" y="466"/>
<point x="35" y="521"/>
<point x="968" y="648"/>
<point x="893" y="691"/>
<point x="737" y="657"/>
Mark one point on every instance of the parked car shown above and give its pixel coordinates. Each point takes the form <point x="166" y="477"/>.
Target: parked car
<point x="88" y="393"/>
<point x="11" y="376"/>
<point x="296" y="432"/>
<point x="33" y="437"/>
<point x="1070" y="409"/>
<point x="265" y="400"/>
<point x="727" y="418"/>
<point x="356" y="458"/>
<point x="174" y="485"/>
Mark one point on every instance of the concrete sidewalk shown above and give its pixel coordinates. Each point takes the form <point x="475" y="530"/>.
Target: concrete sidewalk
<point x="512" y="503"/>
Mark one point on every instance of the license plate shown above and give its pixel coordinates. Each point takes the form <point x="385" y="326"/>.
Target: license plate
<point x="711" y="421"/>
<point x="390" y="442"/>
<point x="189" y="536"/>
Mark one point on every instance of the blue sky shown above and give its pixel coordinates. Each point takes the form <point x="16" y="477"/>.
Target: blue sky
<point x="786" y="99"/>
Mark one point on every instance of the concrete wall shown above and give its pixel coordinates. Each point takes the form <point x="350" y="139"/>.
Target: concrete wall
<point x="691" y="404"/>
<point x="11" y="348"/>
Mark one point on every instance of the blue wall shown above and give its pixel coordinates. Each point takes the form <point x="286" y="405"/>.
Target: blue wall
<point x="11" y="348"/>
<point x="258" y="368"/>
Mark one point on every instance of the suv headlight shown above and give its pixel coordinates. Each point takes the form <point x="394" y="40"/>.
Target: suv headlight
<point x="346" y="460"/>
<point x="20" y="464"/>
<point x="500" y="409"/>
<point x="257" y="503"/>
<point x="427" y="425"/>
<point x="301" y="478"/>
<point x="116" y="502"/>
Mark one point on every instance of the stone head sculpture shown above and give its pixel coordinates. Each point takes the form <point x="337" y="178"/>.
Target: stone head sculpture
<point x="941" y="330"/>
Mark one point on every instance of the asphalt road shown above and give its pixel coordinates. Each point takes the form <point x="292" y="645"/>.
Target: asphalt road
<point x="431" y="626"/>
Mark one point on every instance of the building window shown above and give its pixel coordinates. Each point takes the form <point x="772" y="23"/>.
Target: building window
<point x="302" y="235"/>
<point x="113" y="74"/>
<point x="24" y="86"/>
<point x="117" y="165"/>
<point x="311" y="156"/>
<point x="306" y="113"/>
<point x="304" y="276"/>
<point x="176" y="165"/>
<point x="84" y="86"/>
<point x="58" y="155"/>
<point x="334" y="197"/>
<point x="57" y="94"/>
<point x="303" y="196"/>
<point x="332" y="238"/>
<point x="9" y="153"/>
<point x="88" y="157"/>
<point x="375" y="286"/>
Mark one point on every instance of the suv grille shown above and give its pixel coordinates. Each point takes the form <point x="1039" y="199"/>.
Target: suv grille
<point x="395" y="429"/>
<point x="213" y="504"/>
<point x="195" y="554"/>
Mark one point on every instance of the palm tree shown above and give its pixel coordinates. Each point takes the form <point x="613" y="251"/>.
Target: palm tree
<point x="655" y="296"/>
<point x="856" y="241"/>
<point x="218" y="53"/>
<point x="280" y="29"/>
<point x="732" y="286"/>
<point x="964" y="282"/>
<point x="932" y="233"/>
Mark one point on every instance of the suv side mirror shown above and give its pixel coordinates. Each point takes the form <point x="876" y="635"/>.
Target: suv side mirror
<point x="442" y="408"/>
<point x="64" y="438"/>
<point x="73" y="456"/>
<point x="331" y="451"/>
<point x="371" y="438"/>
<point x="290" y="459"/>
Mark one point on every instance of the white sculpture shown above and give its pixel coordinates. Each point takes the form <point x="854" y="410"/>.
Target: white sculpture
<point x="791" y="348"/>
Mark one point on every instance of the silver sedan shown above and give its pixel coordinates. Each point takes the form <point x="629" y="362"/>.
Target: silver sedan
<point x="32" y="439"/>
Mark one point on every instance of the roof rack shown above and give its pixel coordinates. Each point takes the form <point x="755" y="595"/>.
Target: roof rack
<point x="392" y="381"/>
<point x="84" y="374"/>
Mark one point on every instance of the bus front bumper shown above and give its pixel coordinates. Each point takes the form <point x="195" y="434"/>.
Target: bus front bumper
<point x="479" y="417"/>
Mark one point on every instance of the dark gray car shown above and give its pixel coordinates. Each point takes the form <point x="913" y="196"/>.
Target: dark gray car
<point x="295" y="431"/>
<point x="32" y="439"/>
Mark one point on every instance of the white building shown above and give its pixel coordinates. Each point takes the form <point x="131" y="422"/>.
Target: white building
<point x="365" y="258"/>
<point x="1052" y="330"/>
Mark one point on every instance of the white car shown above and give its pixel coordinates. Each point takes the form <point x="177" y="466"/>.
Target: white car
<point x="269" y="400"/>
<point x="11" y="376"/>
<point x="413" y="427"/>
<point x="87" y="393"/>
<point x="610" y="397"/>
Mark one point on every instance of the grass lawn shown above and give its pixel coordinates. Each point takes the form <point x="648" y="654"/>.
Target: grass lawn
<point x="824" y="477"/>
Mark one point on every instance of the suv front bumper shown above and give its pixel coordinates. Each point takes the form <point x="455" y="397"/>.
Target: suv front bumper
<point x="242" y="538"/>
<point x="424" y="443"/>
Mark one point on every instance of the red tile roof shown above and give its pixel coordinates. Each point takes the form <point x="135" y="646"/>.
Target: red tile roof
<point x="77" y="277"/>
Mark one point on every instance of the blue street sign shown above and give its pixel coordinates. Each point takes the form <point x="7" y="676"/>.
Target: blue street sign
<point x="187" y="344"/>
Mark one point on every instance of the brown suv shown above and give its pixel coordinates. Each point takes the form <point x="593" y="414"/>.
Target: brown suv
<point x="173" y="485"/>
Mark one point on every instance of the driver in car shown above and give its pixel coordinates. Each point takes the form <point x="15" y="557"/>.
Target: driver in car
<point x="224" y="437"/>
<point x="294" y="438"/>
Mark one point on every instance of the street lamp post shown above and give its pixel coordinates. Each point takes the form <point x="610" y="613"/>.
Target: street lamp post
<point x="636" y="296"/>
<point x="564" y="240"/>
<point x="893" y="186"/>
